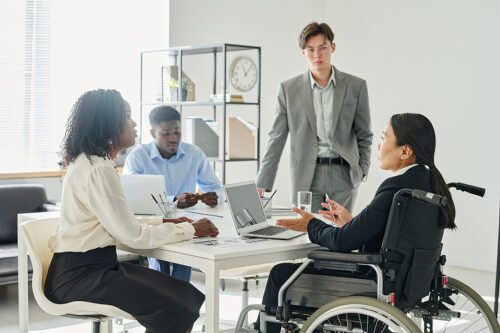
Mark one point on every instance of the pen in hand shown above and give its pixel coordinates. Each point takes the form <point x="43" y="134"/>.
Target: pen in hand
<point x="330" y="205"/>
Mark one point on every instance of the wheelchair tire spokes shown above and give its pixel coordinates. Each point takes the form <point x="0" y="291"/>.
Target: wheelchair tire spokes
<point x="359" y="315"/>
<point x="461" y="309"/>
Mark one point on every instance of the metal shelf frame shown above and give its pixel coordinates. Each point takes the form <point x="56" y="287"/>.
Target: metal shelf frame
<point x="178" y="53"/>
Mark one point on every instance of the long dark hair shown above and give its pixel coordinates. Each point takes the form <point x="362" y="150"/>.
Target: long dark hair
<point x="416" y="131"/>
<point x="94" y="125"/>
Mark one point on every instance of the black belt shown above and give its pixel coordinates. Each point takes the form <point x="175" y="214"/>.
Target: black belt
<point x="330" y="160"/>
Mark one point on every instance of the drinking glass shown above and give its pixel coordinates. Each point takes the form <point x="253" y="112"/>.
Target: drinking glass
<point x="304" y="200"/>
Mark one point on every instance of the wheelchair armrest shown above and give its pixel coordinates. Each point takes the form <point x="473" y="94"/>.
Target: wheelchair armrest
<point x="351" y="257"/>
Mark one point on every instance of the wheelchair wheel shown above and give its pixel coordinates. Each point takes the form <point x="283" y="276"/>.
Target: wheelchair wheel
<point x="359" y="314"/>
<point x="475" y="314"/>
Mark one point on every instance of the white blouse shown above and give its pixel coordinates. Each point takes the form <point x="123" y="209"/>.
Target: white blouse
<point x="94" y="213"/>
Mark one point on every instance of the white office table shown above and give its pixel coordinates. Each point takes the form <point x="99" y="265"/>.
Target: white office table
<point x="210" y="259"/>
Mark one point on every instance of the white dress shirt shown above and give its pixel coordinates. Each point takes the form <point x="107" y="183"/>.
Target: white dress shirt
<point x="95" y="214"/>
<point x="406" y="168"/>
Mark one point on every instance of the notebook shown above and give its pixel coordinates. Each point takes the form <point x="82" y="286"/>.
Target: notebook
<point x="138" y="190"/>
<point x="248" y="214"/>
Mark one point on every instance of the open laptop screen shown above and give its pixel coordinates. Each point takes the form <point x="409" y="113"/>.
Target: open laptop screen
<point x="245" y="204"/>
<point x="138" y="190"/>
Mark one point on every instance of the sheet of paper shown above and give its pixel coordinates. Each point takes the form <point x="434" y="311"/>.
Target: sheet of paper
<point x="228" y="241"/>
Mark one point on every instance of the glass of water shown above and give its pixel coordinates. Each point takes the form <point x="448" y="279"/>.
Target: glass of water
<point x="304" y="199"/>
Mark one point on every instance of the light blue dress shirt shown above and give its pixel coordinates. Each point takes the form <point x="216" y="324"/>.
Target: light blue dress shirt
<point x="323" y="108"/>
<point x="188" y="167"/>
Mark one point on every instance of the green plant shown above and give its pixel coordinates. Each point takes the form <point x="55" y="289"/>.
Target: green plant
<point x="185" y="84"/>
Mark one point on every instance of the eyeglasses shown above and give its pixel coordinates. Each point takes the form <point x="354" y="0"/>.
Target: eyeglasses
<point x="322" y="49"/>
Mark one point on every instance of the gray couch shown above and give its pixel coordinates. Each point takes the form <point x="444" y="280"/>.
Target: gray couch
<point x="16" y="199"/>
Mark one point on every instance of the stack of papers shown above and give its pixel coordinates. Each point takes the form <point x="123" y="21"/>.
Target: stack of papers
<point x="217" y="98"/>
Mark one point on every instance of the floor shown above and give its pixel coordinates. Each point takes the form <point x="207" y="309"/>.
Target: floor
<point x="482" y="282"/>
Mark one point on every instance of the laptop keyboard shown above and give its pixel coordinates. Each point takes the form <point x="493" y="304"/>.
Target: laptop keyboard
<point x="269" y="231"/>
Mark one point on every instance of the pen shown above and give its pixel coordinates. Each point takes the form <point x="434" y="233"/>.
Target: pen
<point x="159" y="206"/>
<point x="206" y="214"/>
<point x="328" y="198"/>
<point x="165" y="205"/>
<point x="164" y="202"/>
<point x="269" y="200"/>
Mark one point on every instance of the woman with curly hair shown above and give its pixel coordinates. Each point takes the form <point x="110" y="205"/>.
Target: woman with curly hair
<point x="95" y="217"/>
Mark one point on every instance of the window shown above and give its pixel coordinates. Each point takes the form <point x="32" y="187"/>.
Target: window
<point x="25" y="46"/>
<point x="52" y="51"/>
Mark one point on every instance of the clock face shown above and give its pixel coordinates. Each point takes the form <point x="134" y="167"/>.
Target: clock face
<point x="243" y="73"/>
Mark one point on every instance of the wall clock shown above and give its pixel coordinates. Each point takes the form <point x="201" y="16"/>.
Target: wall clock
<point x="243" y="73"/>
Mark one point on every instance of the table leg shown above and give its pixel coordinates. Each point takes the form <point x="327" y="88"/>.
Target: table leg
<point x="212" y="281"/>
<point x="22" y="276"/>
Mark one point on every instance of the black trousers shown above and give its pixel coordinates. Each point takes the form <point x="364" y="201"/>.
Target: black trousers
<point x="159" y="302"/>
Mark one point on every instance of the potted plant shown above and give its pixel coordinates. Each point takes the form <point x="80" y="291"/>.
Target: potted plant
<point x="186" y="85"/>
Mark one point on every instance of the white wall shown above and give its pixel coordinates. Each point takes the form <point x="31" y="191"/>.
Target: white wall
<point x="439" y="58"/>
<point x="272" y="25"/>
<point x="97" y="44"/>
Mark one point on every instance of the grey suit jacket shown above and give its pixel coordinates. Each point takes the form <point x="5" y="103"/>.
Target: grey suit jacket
<point x="352" y="136"/>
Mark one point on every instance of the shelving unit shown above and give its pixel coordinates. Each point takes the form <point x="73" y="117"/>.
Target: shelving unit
<point x="199" y="63"/>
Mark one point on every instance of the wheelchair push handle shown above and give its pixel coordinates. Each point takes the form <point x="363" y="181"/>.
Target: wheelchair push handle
<point x="432" y="198"/>
<point x="429" y="197"/>
<point x="476" y="190"/>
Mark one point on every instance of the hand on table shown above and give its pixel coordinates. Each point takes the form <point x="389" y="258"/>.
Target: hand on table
<point x="205" y="228"/>
<point x="298" y="224"/>
<point x="178" y="220"/>
<point x="209" y="198"/>
<point x="335" y="213"/>
<point x="186" y="200"/>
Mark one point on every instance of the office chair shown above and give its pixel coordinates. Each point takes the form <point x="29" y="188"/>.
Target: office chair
<point x="35" y="235"/>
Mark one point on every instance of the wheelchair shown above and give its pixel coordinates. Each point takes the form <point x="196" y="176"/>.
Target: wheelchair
<point x="401" y="289"/>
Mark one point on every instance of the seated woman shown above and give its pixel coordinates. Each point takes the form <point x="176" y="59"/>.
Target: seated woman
<point x="95" y="217"/>
<point x="407" y="148"/>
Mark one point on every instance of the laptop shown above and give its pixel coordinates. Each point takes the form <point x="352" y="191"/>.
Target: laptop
<point x="138" y="190"/>
<point x="248" y="214"/>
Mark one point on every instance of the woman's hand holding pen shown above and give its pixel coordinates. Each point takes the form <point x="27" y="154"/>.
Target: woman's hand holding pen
<point x="335" y="213"/>
<point x="205" y="228"/>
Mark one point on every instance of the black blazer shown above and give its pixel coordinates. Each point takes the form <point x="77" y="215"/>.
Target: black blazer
<point x="366" y="230"/>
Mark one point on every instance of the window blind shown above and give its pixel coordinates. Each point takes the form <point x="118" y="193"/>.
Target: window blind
<point x="25" y="50"/>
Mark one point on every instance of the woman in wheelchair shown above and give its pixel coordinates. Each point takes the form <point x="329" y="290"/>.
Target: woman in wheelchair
<point x="407" y="149"/>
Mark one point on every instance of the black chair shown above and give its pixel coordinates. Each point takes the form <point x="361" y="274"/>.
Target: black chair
<point x="400" y="289"/>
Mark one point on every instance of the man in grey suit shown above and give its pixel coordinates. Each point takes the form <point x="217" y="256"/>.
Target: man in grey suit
<point x="327" y="115"/>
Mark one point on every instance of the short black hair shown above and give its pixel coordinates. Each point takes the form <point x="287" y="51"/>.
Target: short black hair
<point x="94" y="125"/>
<point x="163" y="113"/>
